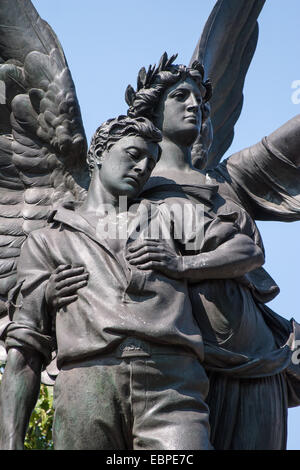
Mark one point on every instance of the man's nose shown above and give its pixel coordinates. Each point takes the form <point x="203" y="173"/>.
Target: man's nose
<point x="140" y="166"/>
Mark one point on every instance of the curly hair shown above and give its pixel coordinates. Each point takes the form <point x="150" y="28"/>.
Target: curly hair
<point x="151" y="86"/>
<point x="113" y="130"/>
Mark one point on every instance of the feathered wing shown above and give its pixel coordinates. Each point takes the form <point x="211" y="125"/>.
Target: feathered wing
<point x="226" y="48"/>
<point x="42" y="140"/>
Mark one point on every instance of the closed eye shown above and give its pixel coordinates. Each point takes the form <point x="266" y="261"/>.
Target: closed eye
<point x="133" y="154"/>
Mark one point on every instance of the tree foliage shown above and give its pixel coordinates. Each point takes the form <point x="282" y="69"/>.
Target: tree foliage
<point x="39" y="433"/>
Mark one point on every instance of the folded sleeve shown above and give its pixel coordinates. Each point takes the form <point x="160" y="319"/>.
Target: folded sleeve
<point x="31" y="324"/>
<point x="266" y="182"/>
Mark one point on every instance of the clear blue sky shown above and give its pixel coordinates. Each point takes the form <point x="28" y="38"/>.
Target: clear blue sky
<point x="107" y="42"/>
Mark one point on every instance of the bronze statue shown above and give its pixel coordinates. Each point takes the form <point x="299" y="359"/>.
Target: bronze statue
<point x="146" y="339"/>
<point x="247" y="349"/>
<point x="105" y="359"/>
<point x="146" y="330"/>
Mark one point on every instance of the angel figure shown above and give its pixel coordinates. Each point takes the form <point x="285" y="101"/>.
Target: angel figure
<point x="248" y="348"/>
<point x="43" y="163"/>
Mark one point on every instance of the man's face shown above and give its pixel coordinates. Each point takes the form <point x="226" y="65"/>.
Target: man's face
<point x="127" y="166"/>
<point x="179" y="114"/>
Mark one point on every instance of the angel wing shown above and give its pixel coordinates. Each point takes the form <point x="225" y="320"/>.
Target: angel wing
<point x="226" y="48"/>
<point x="42" y="140"/>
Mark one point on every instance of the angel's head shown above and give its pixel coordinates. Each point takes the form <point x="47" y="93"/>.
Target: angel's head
<point x="175" y="98"/>
<point x="125" y="151"/>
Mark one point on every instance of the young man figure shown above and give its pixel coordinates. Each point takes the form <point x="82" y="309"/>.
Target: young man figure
<point x="129" y="349"/>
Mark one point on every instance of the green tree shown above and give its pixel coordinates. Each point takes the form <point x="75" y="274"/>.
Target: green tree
<point x="39" y="433"/>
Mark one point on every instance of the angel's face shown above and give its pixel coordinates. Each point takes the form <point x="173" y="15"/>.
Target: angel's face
<point x="179" y="115"/>
<point x="127" y="166"/>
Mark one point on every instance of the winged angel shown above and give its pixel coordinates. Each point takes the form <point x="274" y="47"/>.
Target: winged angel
<point x="43" y="162"/>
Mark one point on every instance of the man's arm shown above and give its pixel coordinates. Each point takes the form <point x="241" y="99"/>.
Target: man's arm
<point x="29" y="343"/>
<point x="18" y="395"/>
<point x="232" y="259"/>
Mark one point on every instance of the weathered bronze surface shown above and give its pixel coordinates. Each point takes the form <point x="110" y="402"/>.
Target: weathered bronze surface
<point x="138" y="263"/>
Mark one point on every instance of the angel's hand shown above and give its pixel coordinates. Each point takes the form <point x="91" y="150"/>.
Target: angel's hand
<point x="63" y="285"/>
<point x="157" y="255"/>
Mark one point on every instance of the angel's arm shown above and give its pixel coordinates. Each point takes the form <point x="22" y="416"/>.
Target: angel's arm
<point x="63" y="284"/>
<point x="265" y="178"/>
<point x="18" y="395"/>
<point x="230" y="260"/>
<point x="233" y="258"/>
<point x="286" y="140"/>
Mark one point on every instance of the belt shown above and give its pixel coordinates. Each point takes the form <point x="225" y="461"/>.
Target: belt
<point x="132" y="347"/>
<point x="135" y="347"/>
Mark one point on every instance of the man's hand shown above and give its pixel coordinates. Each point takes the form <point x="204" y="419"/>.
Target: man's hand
<point x="63" y="285"/>
<point x="156" y="255"/>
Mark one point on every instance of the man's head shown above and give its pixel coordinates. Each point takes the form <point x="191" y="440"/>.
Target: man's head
<point x="125" y="150"/>
<point x="151" y="100"/>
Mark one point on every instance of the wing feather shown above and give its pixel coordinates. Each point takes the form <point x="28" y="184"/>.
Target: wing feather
<point x="226" y="48"/>
<point x="24" y="31"/>
<point x="42" y="140"/>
